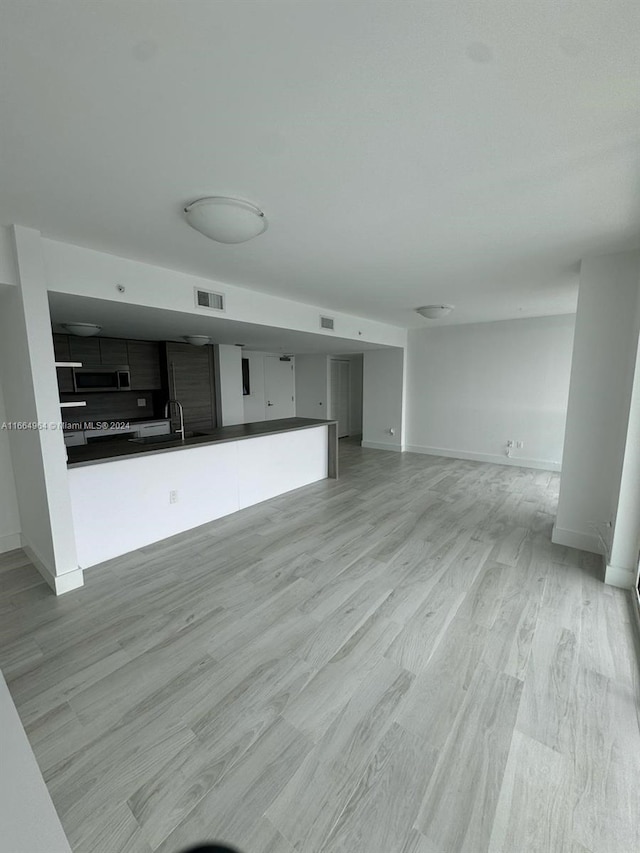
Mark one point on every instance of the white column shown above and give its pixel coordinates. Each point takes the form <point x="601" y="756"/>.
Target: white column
<point x="604" y="352"/>
<point x="229" y="384"/>
<point x="383" y="399"/>
<point x="31" y="397"/>
<point x="622" y="567"/>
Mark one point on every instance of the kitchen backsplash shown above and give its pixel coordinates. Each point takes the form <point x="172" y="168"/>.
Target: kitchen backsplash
<point x="121" y="406"/>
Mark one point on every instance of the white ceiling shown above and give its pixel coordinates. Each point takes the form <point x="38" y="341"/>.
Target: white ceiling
<point x="404" y="152"/>
<point x="157" y="324"/>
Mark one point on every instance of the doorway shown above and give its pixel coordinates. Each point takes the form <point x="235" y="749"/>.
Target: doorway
<point x="279" y="388"/>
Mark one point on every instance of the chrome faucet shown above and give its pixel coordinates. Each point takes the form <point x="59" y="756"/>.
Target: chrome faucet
<point x="167" y="413"/>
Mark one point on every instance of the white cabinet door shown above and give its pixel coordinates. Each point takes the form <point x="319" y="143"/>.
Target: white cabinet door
<point x="279" y="388"/>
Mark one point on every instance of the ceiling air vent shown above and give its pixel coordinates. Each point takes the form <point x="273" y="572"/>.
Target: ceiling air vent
<point x="326" y="323"/>
<point x="209" y="299"/>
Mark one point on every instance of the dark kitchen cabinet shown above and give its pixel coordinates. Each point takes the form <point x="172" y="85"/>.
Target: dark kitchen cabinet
<point x="143" y="358"/>
<point x="113" y="351"/>
<point x="144" y="364"/>
<point x="191" y="382"/>
<point x="86" y="350"/>
<point x="62" y="353"/>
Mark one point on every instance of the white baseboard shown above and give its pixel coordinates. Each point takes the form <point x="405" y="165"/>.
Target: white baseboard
<point x="576" y="539"/>
<point x="376" y="445"/>
<point x="496" y="458"/>
<point x="9" y="542"/>
<point x="620" y="577"/>
<point x="58" y="583"/>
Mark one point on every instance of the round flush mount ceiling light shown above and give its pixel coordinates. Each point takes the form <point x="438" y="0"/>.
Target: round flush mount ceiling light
<point x="226" y="220"/>
<point x="83" y="330"/>
<point x="435" y="312"/>
<point x="197" y="340"/>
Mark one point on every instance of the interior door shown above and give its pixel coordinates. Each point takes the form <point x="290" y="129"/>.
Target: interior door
<point x="339" y="395"/>
<point x="279" y="388"/>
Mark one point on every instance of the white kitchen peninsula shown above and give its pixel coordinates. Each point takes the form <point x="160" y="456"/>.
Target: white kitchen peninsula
<point x="122" y="494"/>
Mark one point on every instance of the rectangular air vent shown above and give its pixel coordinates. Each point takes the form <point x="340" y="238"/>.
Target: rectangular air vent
<point x="209" y="299"/>
<point x="326" y="323"/>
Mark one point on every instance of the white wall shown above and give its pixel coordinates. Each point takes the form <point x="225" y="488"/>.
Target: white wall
<point x="8" y="269"/>
<point x="31" y="395"/>
<point x="355" y="415"/>
<point x="599" y="398"/>
<point x="383" y="399"/>
<point x="255" y="403"/>
<point x="73" y="269"/>
<point x="131" y="496"/>
<point x="229" y="384"/>
<point x="473" y="387"/>
<point x="312" y="386"/>
<point x="9" y="516"/>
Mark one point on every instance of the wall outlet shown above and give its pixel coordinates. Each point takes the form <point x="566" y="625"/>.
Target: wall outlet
<point x="509" y="442"/>
<point x="519" y="444"/>
<point x="173" y="496"/>
<point x="142" y="401"/>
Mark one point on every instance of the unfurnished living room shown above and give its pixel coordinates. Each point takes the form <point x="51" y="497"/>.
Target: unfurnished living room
<point x="319" y="426"/>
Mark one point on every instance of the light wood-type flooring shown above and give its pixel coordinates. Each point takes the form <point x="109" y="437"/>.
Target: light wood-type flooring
<point x="399" y="661"/>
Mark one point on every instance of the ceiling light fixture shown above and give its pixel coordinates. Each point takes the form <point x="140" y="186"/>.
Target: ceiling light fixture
<point x="83" y="330"/>
<point x="226" y="220"/>
<point x="197" y="340"/>
<point x="435" y="312"/>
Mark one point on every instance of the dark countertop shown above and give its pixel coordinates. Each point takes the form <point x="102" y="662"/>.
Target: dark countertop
<point x="105" y="451"/>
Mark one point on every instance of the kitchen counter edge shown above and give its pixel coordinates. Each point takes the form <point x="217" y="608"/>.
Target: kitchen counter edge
<point x="98" y="454"/>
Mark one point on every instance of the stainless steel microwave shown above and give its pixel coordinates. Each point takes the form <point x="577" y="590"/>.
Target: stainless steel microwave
<point x="102" y="378"/>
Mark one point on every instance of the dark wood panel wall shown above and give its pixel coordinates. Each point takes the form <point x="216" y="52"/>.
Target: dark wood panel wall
<point x="109" y="407"/>
<point x="190" y="373"/>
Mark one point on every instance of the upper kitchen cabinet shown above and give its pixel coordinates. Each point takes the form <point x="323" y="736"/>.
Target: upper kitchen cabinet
<point x="144" y="364"/>
<point x="113" y="351"/>
<point x="143" y="358"/>
<point x="191" y="382"/>
<point x="85" y="350"/>
<point x="62" y="353"/>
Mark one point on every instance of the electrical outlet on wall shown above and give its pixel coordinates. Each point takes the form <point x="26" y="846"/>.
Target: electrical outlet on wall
<point x="142" y="401"/>
<point x="173" y="496"/>
<point x="519" y="444"/>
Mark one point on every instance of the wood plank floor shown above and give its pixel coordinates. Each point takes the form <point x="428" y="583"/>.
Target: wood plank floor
<point x="399" y="661"/>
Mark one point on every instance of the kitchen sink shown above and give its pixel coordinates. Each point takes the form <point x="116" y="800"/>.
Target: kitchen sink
<point x="165" y="438"/>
